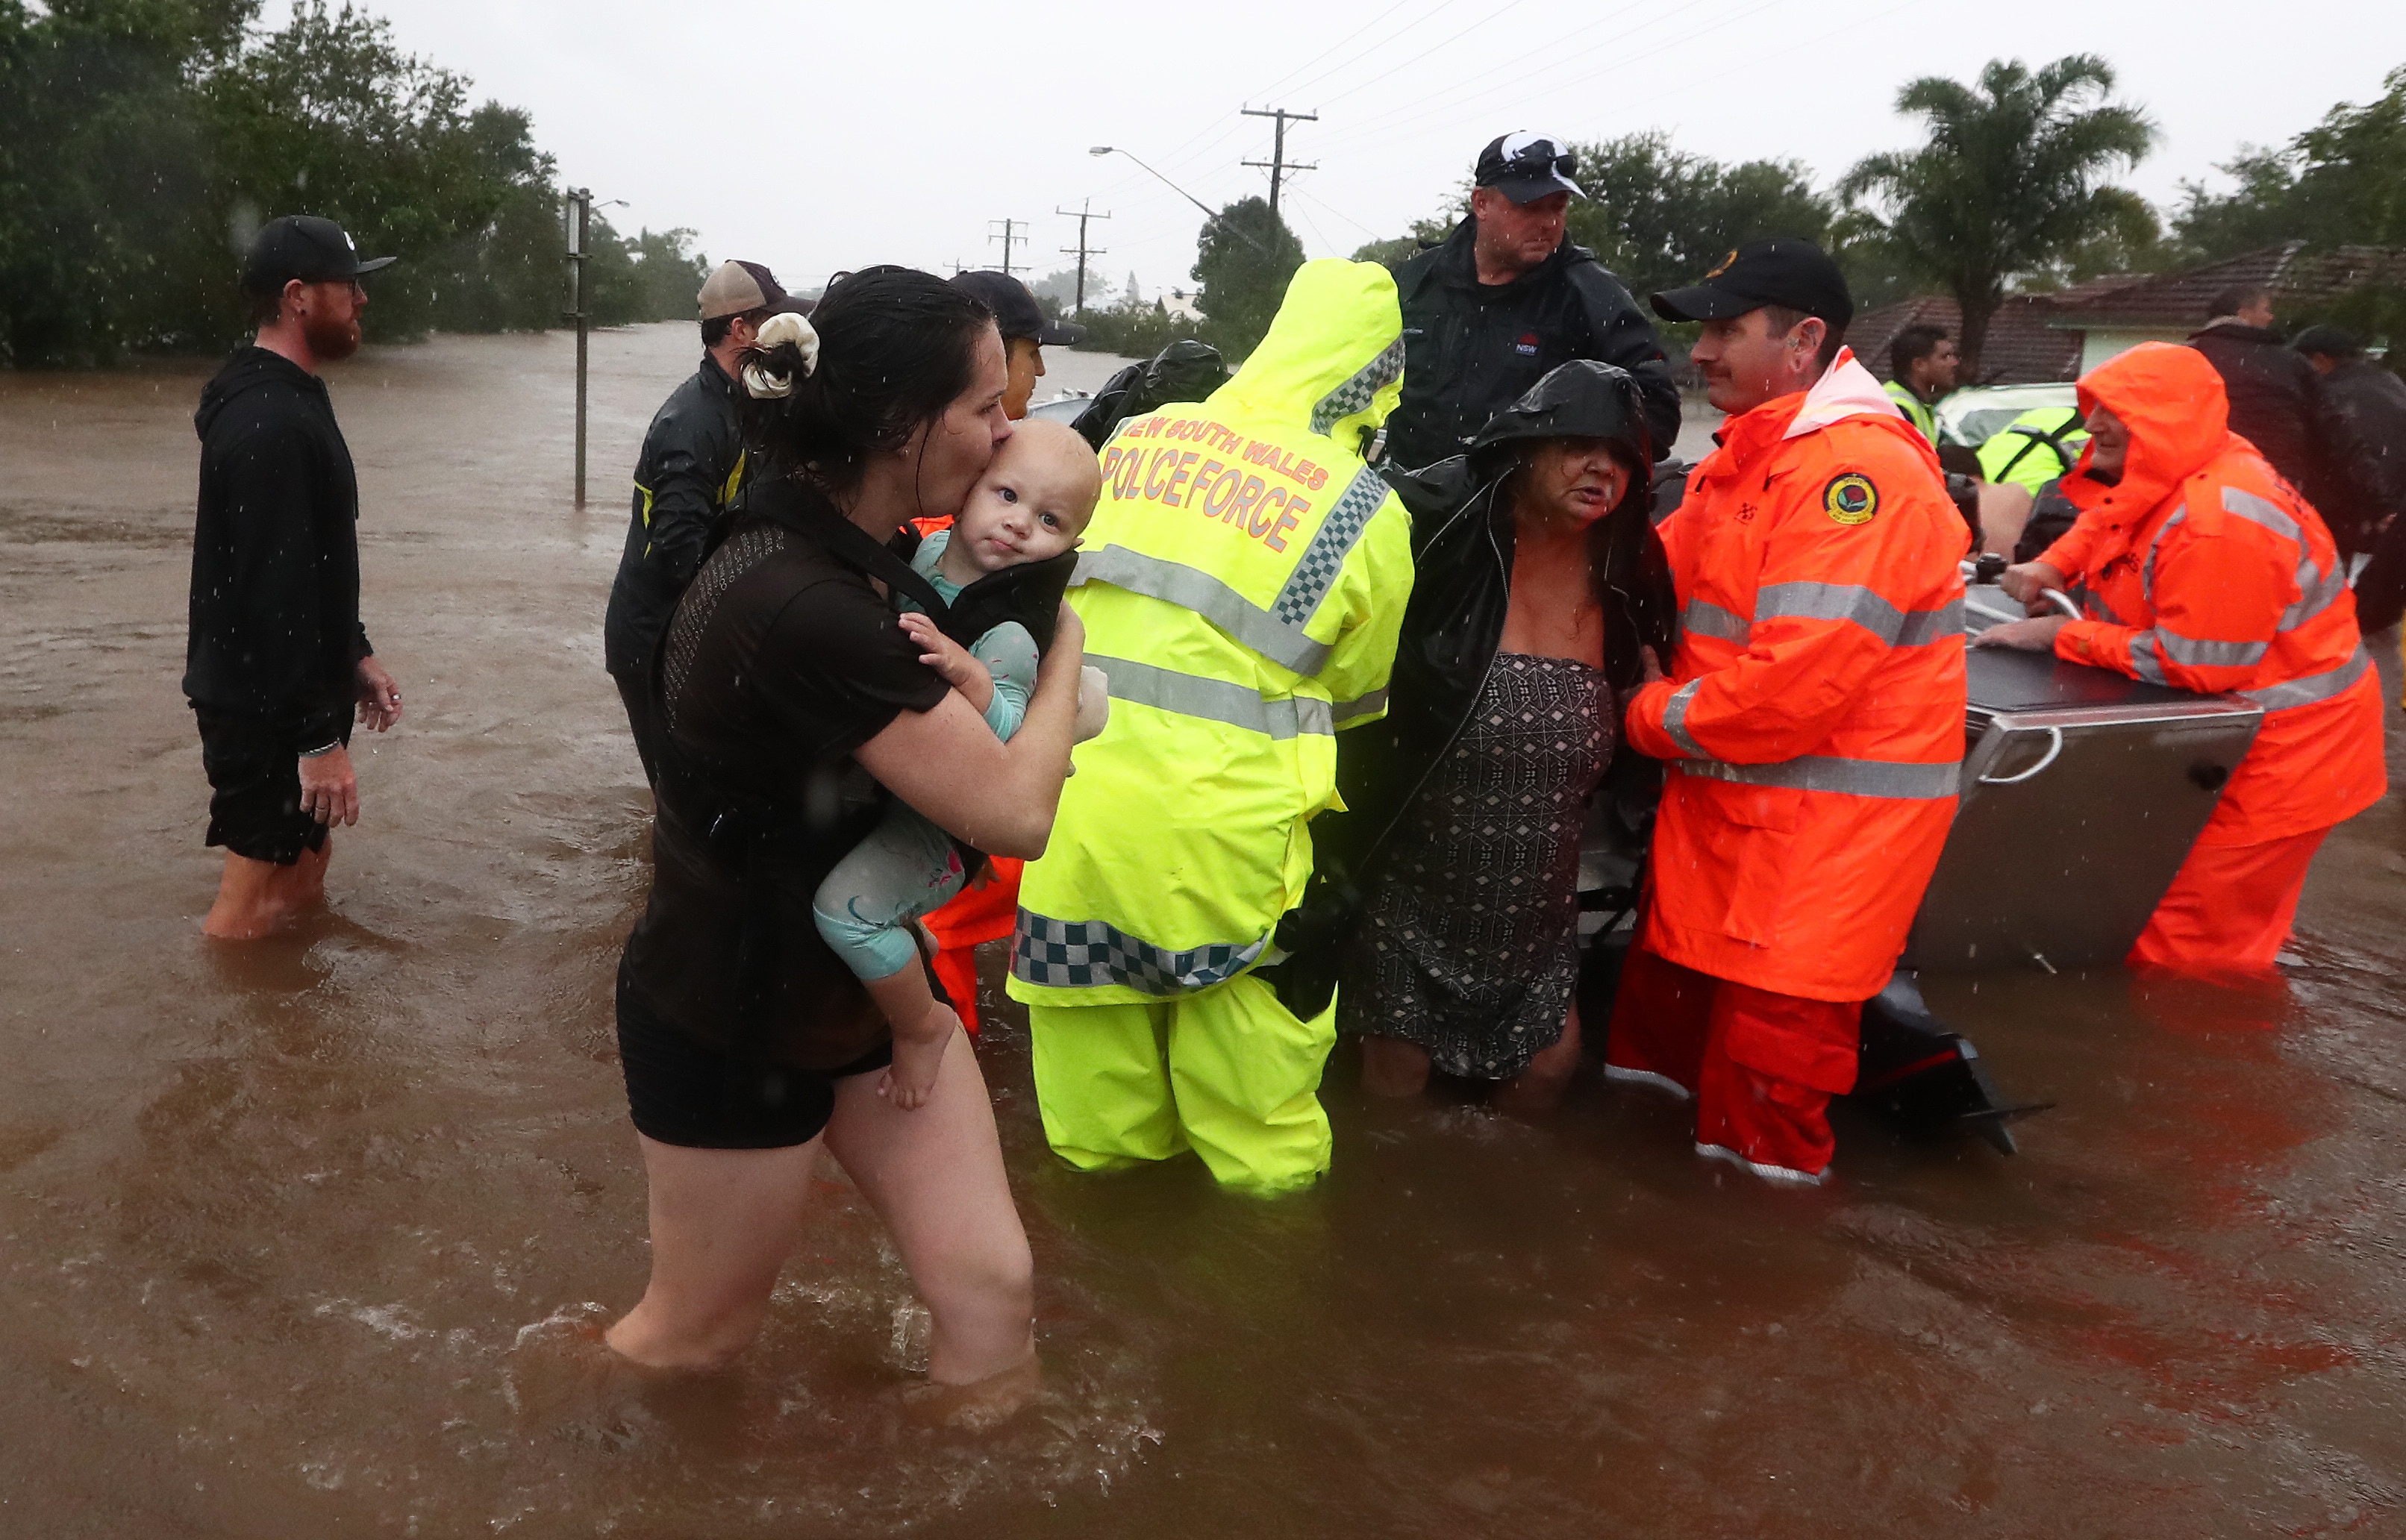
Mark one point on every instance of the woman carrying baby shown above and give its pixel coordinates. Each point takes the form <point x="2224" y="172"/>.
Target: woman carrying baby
<point x="798" y="709"/>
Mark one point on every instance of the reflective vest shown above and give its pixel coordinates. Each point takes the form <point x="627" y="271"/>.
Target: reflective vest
<point x="1917" y="412"/>
<point x="1813" y="719"/>
<point x="2205" y="570"/>
<point x="1242" y="584"/>
<point x="2034" y="448"/>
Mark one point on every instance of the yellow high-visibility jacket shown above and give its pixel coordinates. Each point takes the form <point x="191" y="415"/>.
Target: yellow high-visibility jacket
<point x="1243" y="583"/>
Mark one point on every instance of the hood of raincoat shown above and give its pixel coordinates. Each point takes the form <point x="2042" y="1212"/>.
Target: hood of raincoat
<point x="251" y="369"/>
<point x="2171" y="400"/>
<point x="1582" y="399"/>
<point x="1332" y="360"/>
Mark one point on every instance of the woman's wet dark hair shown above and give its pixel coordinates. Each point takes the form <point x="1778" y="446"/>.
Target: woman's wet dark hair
<point x="1632" y="576"/>
<point x="897" y="347"/>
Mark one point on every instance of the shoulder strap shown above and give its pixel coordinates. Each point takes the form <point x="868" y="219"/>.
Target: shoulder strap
<point x="802" y="510"/>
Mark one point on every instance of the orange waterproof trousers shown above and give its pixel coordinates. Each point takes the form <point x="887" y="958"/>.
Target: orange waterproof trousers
<point x="970" y="916"/>
<point x="1761" y="1065"/>
<point x="2230" y="907"/>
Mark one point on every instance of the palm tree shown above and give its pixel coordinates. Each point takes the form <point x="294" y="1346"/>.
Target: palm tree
<point x="2008" y="183"/>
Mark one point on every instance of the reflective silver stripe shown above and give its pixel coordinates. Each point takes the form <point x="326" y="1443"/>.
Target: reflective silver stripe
<point x="1358" y="392"/>
<point x="1703" y="617"/>
<point x="2093" y="605"/>
<point x="1324" y="558"/>
<point x="1191" y="588"/>
<point x="1213" y="700"/>
<point x="2263" y="511"/>
<point x="2193" y="653"/>
<point x="2147" y="570"/>
<point x="1807" y="601"/>
<point x="1922" y="626"/>
<point x="2144" y="664"/>
<point x="1827" y="772"/>
<point x="1674" y="719"/>
<point x="1361" y="705"/>
<point x="2314" y="687"/>
<point x="2315" y="594"/>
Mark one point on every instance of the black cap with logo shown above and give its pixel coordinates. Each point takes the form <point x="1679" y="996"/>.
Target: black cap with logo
<point x="1016" y="314"/>
<point x="302" y="246"/>
<point x="1525" y="167"/>
<point x="1782" y="270"/>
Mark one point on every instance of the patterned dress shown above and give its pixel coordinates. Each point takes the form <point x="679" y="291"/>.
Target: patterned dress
<point x="1468" y="945"/>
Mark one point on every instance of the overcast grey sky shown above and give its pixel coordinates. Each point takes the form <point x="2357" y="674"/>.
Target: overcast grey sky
<point x="818" y="136"/>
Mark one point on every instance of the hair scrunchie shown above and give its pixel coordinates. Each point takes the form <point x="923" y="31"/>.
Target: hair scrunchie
<point x="778" y="330"/>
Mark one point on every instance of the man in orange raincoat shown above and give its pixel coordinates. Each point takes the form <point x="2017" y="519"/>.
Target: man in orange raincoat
<point x="2201" y="568"/>
<point x="1812" y="721"/>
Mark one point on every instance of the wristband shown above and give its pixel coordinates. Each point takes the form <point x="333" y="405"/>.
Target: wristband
<point x="319" y="754"/>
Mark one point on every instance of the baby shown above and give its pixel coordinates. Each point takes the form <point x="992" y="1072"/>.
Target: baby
<point x="1031" y="506"/>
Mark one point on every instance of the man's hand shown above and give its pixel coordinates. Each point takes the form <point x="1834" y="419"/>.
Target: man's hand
<point x="2029" y="582"/>
<point x="2035" y="635"/>
<point x="1650" y="664"/>
<point x="330" y="792"/>
<point x="1094" y="702"/>
<point x="948" y="657"/>
<point x="379" y="697"/>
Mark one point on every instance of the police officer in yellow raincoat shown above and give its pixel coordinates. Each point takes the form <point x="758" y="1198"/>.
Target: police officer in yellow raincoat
<point x="1242" y="584"/>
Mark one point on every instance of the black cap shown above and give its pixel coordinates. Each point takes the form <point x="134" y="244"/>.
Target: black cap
<point x="302" y="246"/>
<point x="1782" y="270"/>
<point x="1525" y="167"/>
<point x="2331" y="342"/>
<point x="1016" y="314"/>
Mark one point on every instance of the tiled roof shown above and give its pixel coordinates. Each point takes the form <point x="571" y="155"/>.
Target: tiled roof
<point x="2021" y="348"/>
<point x="2176" y="301"/>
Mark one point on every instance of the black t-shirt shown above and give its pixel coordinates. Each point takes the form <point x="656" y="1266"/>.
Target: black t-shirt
<point x="781" y="660"/>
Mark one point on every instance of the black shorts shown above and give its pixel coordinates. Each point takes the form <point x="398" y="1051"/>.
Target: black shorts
<point x="255" y="790"/>
<point x="684" y="1094"/>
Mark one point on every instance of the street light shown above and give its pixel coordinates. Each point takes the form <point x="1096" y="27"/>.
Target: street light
<point x="1209" y="211"/>
<point x="579" y="215"/>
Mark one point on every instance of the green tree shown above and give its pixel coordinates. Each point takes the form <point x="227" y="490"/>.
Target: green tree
<point x="1658" y="215"/>
<point x="1243" y="261"/>
<point x="2341" y="182"/>
<point x="2009" y="182"/>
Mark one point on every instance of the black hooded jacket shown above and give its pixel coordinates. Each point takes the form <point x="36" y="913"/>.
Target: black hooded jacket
<point x="1463" y="538"/>
<point x="2364" y="452"/>
<point x="1472" y="350"/>
<point x="2274" y="395"/>
<point x="275" y="621"/>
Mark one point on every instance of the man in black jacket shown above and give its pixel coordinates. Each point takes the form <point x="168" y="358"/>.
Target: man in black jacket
<point x="691" y="469"/>
<point x="1504" y="301"/>
<point x="2273" y="400"/>
<point x="276" y="660"/>
<point x="2363" y="430"/>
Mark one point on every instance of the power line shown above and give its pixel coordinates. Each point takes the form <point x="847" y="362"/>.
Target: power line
<point x="1278" y="166"/>
<point x="1081" y="215"/>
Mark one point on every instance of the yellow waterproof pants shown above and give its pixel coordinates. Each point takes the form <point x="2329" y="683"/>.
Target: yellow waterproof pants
<point x="1227" y="1072"/>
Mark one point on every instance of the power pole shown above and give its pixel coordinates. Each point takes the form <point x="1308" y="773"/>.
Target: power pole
<point x="580" y="252"/>
<point x="1011" y="229"/>
<point x="1278" y="166"/>
<point x="1081" y="215"/>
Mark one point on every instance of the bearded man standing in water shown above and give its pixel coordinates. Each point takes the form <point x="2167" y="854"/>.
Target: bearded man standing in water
<point x="276" y="658"/>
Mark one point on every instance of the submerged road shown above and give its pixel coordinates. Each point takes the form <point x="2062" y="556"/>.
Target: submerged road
<point x="273" y="1218"/>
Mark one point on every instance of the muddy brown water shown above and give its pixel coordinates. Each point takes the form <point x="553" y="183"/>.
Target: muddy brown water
<point x="273" y="1218"/>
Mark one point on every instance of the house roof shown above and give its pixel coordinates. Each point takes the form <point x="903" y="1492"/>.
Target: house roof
<point x="2175" y="301"/>
<point x="2021" y="348"/>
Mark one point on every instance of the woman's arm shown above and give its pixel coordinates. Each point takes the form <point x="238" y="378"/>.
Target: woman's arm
<point x="948" y="765"/>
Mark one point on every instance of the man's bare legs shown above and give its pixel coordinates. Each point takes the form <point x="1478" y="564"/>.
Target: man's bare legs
<point x="1393" y="1067"/>
<point x="256" y="898"/>
<point x="724" y="1221"/>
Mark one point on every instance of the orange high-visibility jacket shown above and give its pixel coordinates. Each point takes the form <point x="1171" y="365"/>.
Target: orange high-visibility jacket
<point x="2206" y="571"/>
<point x="1813" y="718"/>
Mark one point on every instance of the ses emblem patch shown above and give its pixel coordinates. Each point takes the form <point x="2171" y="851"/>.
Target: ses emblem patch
<point x="1852" y="498"/>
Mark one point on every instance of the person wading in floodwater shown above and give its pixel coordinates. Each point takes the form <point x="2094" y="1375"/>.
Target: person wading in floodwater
<point x="794" y="706"/>
<point x="276" y="659"/>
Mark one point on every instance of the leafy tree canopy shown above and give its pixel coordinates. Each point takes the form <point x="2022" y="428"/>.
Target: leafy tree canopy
<point x="1243" y="261"/>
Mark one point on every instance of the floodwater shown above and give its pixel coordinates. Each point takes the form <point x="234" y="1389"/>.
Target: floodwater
<point x="273" y="1218"/>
